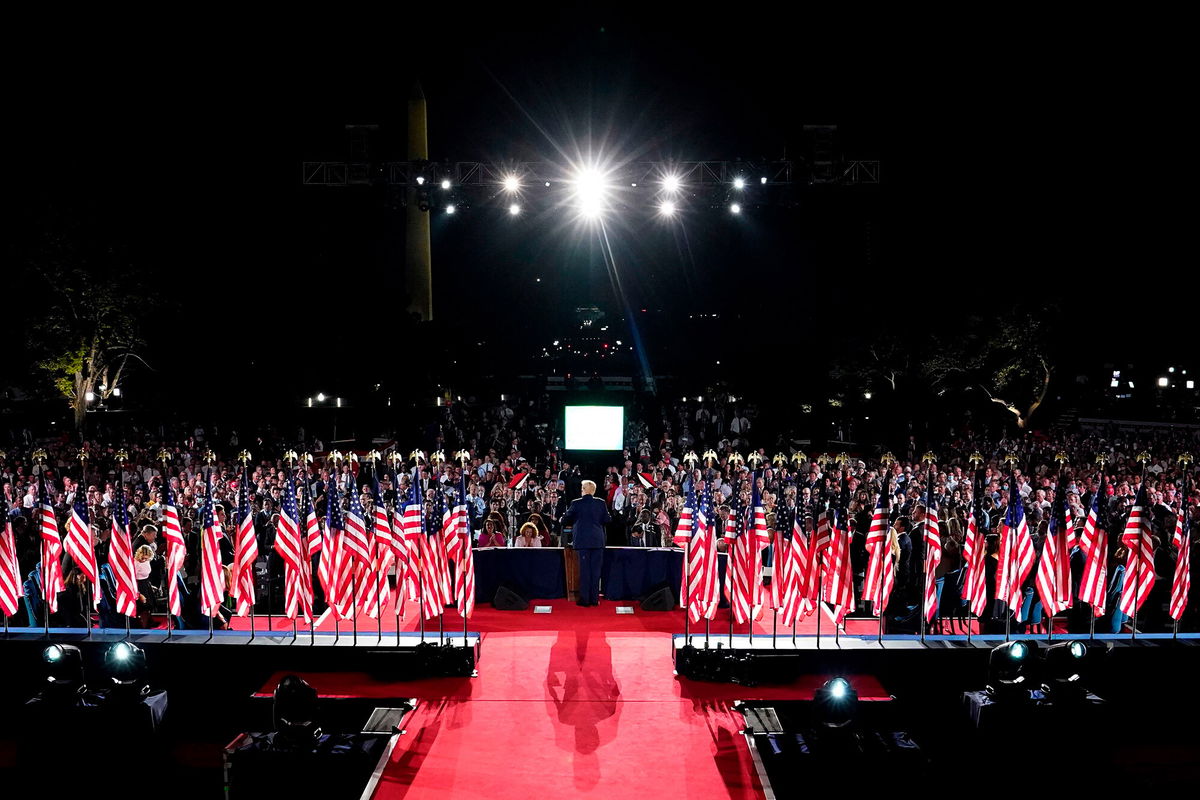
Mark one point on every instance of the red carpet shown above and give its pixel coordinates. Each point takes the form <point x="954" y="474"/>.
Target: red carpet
<point x="579" y="702"/>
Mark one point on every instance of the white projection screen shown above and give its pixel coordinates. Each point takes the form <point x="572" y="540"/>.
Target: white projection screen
<point x="595" y="427"/>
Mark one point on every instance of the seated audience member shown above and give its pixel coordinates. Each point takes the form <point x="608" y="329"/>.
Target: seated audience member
<point x="528" y="536"/>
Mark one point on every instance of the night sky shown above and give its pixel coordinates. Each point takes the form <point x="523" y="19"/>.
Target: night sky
<point x="1000" y="173"/>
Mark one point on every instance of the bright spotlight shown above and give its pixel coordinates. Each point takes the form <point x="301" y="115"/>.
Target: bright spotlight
<point x="590" y="193"/>
<point x="126" y="664"/>
<point x="445" y="183"/>
<point x="1162" y="381"/>
<point x="836" y="701"/>
<point x="1009" y="668"/>
<point x="667" y="209"/>
<point x="420" y="180"/>
<point x="63" y="670"/>
<point x="450" y="209"/>
<point x="763" y="181"/>
<point x="514" y="209"/>
<point x="320" y="397"/>
<point x="735" y="208"/>
<point x="511" y="183"/>
<point x="671" y="184"/>
<point x="739" y="183"/>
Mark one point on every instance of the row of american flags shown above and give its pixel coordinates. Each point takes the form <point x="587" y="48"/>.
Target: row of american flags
<point x="812" y="567"/>
<point x="354" y="553"/>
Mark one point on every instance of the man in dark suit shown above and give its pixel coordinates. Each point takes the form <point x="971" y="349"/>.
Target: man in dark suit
<point x="588" y="515"/>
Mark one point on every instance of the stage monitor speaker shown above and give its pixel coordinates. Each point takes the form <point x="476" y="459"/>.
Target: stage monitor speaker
<point x="660" y="599"/>
<point x="508" y="600"/>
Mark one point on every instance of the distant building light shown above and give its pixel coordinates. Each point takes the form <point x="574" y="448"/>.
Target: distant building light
<point x="1130" y="384"/>
<point x="1115" y="383"/>
<point x="1162" y="381"/>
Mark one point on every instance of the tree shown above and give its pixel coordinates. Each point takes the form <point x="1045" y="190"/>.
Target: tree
<point x="1008" y="359"/>
<point x="84" y="318"/>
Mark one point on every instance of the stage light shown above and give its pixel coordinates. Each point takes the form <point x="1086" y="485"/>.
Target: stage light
<point x="1191" y="384"/>
<point x="763" y="181"/>
<point x="1065" y="672"/>
<point x="547" y="184"/>
<point x="866" y="395"/>
<point x="90" y="396"/>
<point x="739" y="183"/>
<point x="420" y="180"/>
<point x="450" y="209"/>
<point x="671" y="184"/>
<point x="1169" y="369"/>
<point x="735" y="208"/>
<point x="64" y="669"/>
<point x="294" y="712"/>
<point x="1008" y="671"/>
<point x="591" y="191"/>
<point x="445" y="183"/>
<point x="126" y="665"/>
<point x="667" y="209"/>
<point x="320" y="397"/>
<point x="514" y="209"/>
<point x="511" y="183"/>
<point x="1162" y="381"/>
<point x="836" y="702"/>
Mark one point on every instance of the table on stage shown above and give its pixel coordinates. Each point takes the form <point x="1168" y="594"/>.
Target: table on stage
<point x="628" y="573"/>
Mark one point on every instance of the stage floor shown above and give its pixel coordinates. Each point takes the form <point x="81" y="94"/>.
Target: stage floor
<point x="577" y="702"/>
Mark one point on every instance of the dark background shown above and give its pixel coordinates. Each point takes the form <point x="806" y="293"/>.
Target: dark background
<point x="1024" y="162"/>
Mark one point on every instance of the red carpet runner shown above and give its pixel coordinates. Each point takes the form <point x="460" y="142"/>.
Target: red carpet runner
<point x="577" y="703"/>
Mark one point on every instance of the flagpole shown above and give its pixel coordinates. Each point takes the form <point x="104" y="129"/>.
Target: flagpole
<point x="87" y="609"/>
<point x="928" y="459"/>
<point x="1100" y="487"/>
<point x="398" y="599"/>
<point x="40" y="457"/>
<point x="1060" y="519"/>
<point x="1185" y="524"/>
<point x="976" y="461"/>
<point x="416" y="456"/>
<point x="1009" y="459"/>
<point x="306" y="459"/>
<point x="1144" y="458"/>
<point x="122" y="456"/>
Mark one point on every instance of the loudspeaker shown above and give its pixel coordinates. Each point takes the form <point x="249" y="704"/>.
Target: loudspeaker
<point x="508" y="600"/>
<point x="660" y="599"/>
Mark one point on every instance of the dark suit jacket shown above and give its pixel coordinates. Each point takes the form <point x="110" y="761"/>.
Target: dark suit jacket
<point x="588" y="515"/>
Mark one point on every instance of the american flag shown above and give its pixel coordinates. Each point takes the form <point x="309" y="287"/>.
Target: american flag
<point x="52" y="577"/>
<point x="684" y="531"/>
<point x="1139" y="566"/>
<point x="120" y="558"/>
<point x="1093" y="587"/>
<point x="933" y="556"/>
<point x="292" y="545"/>
<point x="357" y="542"/>
<point x="376" y="590"/>
<point x="779" y="546"/>
<point x="740" y="560"/>
<point x="11" y="589"/>
<point x="795" y="601"/>
<point x="702" y="589"/>
<point x="974" y="554"/>
<point x="761" y="541"/>
<point x="1054" y="570"/>
<point x="881" y="570"/>
<point x="176" y="551"/>
<point x="464" y="563"/>
<point x="413" y="525"/>
<point x="1181" y="585"/>
<point x="79" y="542"/>
<point x="212" y="577"/>
<point x="435" y="572"/>
<point x="341" y="566"/>
<point x="1015" y="556"/>
<point x="838" y="581"/>
<point x="246" y="552"/>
